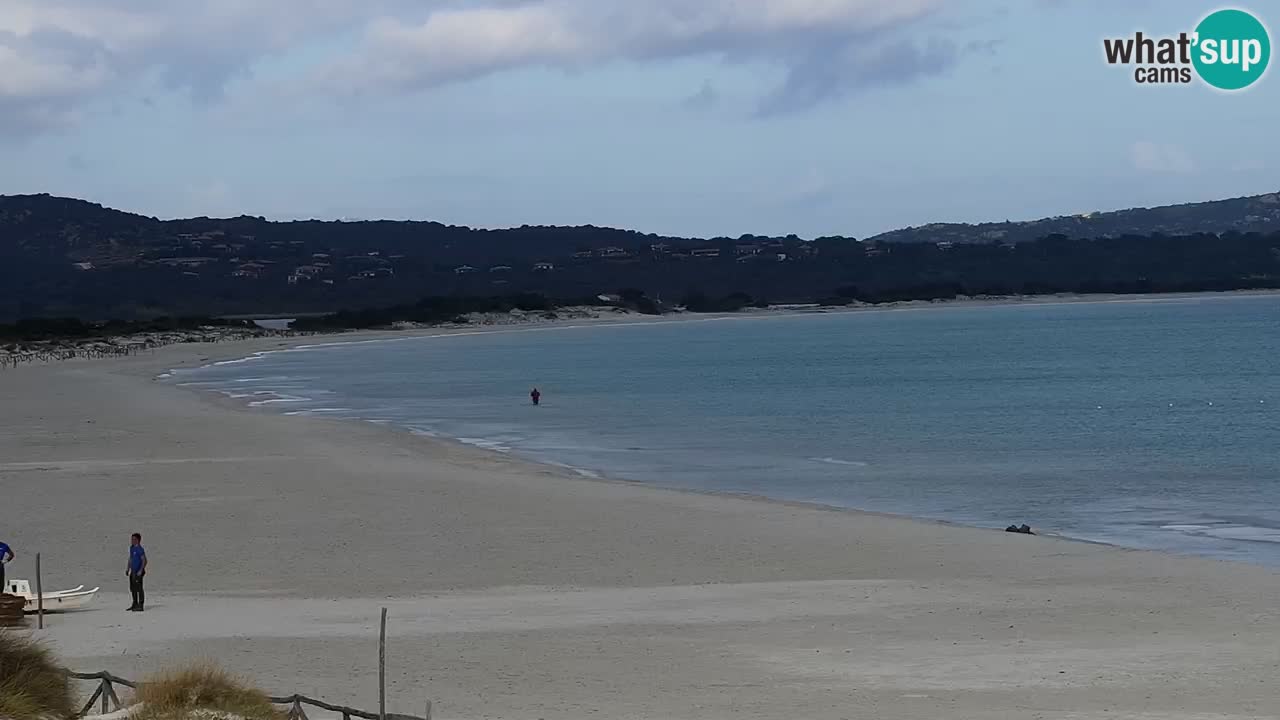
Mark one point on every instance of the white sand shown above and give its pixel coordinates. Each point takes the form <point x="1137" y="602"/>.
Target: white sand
<point x="518" y="591"/>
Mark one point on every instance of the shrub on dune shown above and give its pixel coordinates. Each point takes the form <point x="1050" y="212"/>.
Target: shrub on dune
<point x="33" y="686"/>
<point x="201" y="691"/>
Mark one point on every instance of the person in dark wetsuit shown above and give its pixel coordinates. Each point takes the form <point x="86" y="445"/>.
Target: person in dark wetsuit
<point x="535" y="396"/>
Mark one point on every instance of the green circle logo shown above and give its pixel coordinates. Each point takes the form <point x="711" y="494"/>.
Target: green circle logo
<point x="1232" y="49"/>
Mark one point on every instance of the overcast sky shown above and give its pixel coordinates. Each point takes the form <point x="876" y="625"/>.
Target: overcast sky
<point x="694" y="117"/>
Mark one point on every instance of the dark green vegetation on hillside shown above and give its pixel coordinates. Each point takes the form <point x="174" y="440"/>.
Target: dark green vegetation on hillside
<point x="68" y="258"/>
<point x="439" y="310"/>
<point x="41" y="328"/>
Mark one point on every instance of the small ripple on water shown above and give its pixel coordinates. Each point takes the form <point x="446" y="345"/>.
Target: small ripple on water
<point x="838" y="461"/>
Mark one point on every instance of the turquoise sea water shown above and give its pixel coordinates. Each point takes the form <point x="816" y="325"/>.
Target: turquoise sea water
<point x="1149" y="424"/>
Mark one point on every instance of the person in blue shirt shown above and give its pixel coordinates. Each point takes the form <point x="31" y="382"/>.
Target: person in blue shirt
<point x="6" y="556"/>
<point x="136" y="570"/>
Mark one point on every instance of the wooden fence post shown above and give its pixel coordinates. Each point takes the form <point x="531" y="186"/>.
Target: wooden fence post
<point x="382" y="668"/>
<point x="89" y="705"/>
<point x="109" y="692"/>
<point x="39" y="596"/>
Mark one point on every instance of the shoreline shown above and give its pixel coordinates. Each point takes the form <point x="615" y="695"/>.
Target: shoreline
<point x="233" y="352"/>
<point x="242" y="350"/>
<point x="515" y="593"/>
<point x="571" y="472"/>
<point x="338" y="337"/>
<point x="574" y="474"/>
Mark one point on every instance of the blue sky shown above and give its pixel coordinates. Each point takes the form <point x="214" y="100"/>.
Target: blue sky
<point x="691" y="117"/>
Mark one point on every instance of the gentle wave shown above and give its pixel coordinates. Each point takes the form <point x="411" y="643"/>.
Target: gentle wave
<point x="243" y="360"/>
<point x="590" y="474"/>
<point x="279" y="400"/>
<point x="1228" y="531"/>
<point x="271" y="378"/>
<point x="1246" y="534"/>
<point x="485" y="444"/>
<point x="838" y="461"/>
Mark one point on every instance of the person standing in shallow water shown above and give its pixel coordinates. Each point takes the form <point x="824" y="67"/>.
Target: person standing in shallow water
<point x="136" y="570"/>
<point x="535" y="396"/>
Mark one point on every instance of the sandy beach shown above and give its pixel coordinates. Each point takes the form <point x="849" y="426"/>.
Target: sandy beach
<point x="522" y="591"/>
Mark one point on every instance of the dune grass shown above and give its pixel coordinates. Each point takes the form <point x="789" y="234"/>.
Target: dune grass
<point x="196" y="691"/>
<point x="33" y="686"/>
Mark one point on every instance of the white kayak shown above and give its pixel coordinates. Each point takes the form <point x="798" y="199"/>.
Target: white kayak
<point x="54" y="601"/>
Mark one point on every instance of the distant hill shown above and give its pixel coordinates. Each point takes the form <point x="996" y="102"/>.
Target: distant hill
<point x="1259" y="213"/>
<point x="61" y="257"/>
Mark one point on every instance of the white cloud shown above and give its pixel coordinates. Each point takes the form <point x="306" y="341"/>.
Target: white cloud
<point x="57" y="54"/>
<point x="840" y="40"/>
<point x="1160" y="158"/>
<point x="38" y="88"/>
